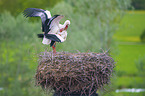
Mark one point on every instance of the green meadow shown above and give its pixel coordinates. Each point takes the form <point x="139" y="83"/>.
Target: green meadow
<point x="130" y="52"/>
<point x="131" y="26"/>
<point x="128" y="41"/>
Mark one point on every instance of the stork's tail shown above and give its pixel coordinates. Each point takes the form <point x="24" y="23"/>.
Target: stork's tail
<point x="40" y="35"/>
<point x="45" y="40"/>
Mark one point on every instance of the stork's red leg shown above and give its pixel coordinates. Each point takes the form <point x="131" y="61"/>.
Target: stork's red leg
<point x="54" y="49"/>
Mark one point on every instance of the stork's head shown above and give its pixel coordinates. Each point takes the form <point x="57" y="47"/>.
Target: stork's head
<point x="67" y="23"/>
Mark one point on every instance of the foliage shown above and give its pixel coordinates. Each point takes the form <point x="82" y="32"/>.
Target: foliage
<point x="138" y="4"/>
<point x="94" y="29"/>
<point x="140" y="64"/>
<point x="16" y="70"/>
<point x="17" y="47"/>
<point x="17" y="29"/>
<point x="94" y="23"/>
<point x="142" y="36"/>
<point x="16" y="6"/>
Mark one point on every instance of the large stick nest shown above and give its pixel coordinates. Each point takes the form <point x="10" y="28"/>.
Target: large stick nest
<point x="68" y="73"/>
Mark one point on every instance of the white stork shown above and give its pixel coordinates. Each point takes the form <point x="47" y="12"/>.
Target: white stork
<point x="53" y="31"/>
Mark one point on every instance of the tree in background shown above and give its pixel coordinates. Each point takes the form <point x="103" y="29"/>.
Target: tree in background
<point x="138" y="4"/>
<point x="93" y="21"/>
<point x="142" y="36"/>
<point x="17" y="6"/>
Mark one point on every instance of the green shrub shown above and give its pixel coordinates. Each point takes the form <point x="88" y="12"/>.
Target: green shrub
<point x="93" y="23"/>
<point x="17" y="29"/>
<point x="142" y="36"/>
<point x="140" y="64"/>
<point x="18" y="42"/>
<point x="138" y="4"/>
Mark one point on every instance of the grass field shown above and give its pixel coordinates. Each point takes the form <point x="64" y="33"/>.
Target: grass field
<point x="128" y="54"/>
<point x="130" y="51"/>
<point x="131" y="26"/>
<point x="127" y="38"/>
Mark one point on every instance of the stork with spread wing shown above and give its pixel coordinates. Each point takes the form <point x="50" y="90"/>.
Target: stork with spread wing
<point x="52" y="31"/>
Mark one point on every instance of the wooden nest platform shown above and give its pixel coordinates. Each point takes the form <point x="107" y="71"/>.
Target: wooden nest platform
<point x="77" y="73"/>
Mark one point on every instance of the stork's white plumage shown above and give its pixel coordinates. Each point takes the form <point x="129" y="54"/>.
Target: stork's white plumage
<point x="59" y="30"/>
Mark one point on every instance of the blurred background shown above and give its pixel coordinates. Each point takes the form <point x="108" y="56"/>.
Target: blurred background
<point x="96" y="25"/>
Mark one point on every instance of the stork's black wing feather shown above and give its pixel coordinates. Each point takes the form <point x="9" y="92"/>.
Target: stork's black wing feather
<point x="52" y="43"/>
<point x="35" y="12"/>
<point x="52" y="37"/>
<point x="40" y="35"/>
<point x="53" y="22"/>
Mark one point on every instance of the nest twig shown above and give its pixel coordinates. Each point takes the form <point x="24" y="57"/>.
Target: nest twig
<point x="68" y="73"/>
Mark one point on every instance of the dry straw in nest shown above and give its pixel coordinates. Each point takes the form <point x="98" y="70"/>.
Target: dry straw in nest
<point x="68" y="73"/>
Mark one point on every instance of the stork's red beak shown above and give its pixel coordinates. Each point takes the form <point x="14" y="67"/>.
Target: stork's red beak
<point x="66" y="27"/>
